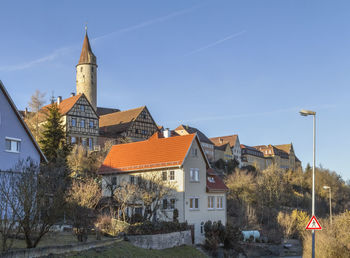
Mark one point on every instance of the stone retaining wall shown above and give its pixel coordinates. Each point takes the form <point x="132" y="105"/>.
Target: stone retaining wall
<point x="161" y="241"/>
<point x="44" y="251"/>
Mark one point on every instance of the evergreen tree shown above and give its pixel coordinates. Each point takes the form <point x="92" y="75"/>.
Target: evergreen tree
<point x="53" y="138"/>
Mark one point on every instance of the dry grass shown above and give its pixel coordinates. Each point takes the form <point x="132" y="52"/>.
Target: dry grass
<point x="55" y="239"/>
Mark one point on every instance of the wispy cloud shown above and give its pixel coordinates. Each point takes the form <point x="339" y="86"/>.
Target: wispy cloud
<point x="216" y="43"/>
<point x="63" y="51"/>
<point x="50" y="57"/>
<point x="247" y="115"/>
<point x="149" y="22"/>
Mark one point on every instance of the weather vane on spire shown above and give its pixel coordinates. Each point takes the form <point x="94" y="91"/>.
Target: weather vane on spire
<point x="86" y="27"/>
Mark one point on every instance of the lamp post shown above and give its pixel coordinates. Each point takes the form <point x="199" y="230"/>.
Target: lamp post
<point x="330" y="202"/>
<point x="312" y="113"/>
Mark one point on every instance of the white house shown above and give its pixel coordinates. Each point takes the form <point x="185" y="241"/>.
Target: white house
<point x="199" y="195"/>
<point x="17" y="143"/>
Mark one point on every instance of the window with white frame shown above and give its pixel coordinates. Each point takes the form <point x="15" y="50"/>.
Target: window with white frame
<point x="172" y="175"/>
<point x="194" y="203"/>
<point x="194" y="175"/>
<point x="211" y="200"/>
<point x="12" y="144"/>
<point x="132" y="180"/>
<point x="219" y="202"/>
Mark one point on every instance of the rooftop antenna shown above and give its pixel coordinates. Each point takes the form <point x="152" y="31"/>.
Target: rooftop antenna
<point x="52" y="97"/>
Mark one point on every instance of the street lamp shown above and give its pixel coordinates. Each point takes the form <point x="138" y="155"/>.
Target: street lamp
<point x="330" y="202"/>
<point x="312" y="113"/>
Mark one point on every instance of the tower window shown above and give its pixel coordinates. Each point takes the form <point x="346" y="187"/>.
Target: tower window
<point x="81" y="69"/>
<point x="92" y="69"/>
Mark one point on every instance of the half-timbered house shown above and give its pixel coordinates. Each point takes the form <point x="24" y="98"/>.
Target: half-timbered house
<point x="133" y="125"/>
<point x="80" y="120"/>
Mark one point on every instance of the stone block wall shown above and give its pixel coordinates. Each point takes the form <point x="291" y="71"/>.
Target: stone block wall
<point x="161" y="241"/>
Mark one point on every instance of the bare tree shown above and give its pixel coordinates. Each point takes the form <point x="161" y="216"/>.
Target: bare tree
<point x="32" y="118"/>
<point x="8" y="227"/>
<point x="38" y="198"/>
<point x="152" y="190"/>
<point x="125" y="195"/>
<point x="83" y="197"/>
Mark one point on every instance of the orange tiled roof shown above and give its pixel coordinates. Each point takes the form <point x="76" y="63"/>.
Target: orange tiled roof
<point x="153" y="153"/>
<point x="231" y="139"/>
<point x="66" y="104"/>
<point x="217" y="185"/>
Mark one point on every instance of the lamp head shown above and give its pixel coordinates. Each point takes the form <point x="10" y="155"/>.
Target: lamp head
<point x="326" y="187"/>
<point x="304" y="112"/>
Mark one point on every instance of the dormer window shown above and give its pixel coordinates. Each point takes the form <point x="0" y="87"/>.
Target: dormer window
<point x="211" y="179"/>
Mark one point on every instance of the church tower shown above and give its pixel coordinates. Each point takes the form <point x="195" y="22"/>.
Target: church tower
<point x="87" y="73"/>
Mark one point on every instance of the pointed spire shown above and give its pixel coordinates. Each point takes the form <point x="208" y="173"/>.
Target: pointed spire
<point x="86" y="56"/>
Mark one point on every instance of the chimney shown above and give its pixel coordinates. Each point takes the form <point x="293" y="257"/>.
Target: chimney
<point x="26" y="112"/>
<point x="221" y="140"/>
<point x="166" y="133"/>
<point x="59" y="100"/>
<point x="72" y="94"/>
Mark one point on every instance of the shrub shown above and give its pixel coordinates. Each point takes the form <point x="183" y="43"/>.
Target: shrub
<point x="136" y="218"/>
<point x="232" y="236"/>
<point x="214" y="235"/>
<point x="175" y="215"/>
<point x="333" y="240"/>
<point x="111" y="226"/>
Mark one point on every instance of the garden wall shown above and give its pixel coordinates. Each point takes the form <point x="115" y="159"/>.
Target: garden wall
<point x="161" y="241"/>
<point x="45" y="251"/>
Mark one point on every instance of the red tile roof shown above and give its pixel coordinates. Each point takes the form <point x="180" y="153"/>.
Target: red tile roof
<point x="66" y="104"/>
<point x="231" y="139"/>
<point x="216" y="184"/>
<point x="153" y="153"/>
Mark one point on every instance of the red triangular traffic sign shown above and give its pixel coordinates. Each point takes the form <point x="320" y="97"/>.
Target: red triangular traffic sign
<point x="313" y="224"/>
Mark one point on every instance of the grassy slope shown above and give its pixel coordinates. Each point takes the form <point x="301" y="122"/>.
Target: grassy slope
<point x="125" y="249"/>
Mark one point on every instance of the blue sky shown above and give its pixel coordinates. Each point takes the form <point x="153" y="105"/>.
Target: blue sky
<point x="227" y="67"/>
